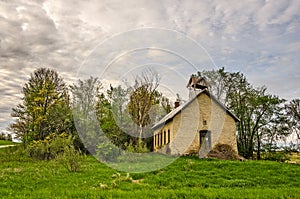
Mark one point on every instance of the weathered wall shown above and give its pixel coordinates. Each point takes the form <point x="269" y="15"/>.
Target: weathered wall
<point x="220" y="123"/>
<point x="186" y="125"/>
<point x="204" y="108"/>
<point x="228" y="135"/>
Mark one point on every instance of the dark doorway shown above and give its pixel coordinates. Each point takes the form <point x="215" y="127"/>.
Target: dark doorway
<point x="205" y="139"/>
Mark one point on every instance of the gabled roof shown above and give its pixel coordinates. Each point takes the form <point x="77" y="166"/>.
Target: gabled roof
<point x="174" y="112"/>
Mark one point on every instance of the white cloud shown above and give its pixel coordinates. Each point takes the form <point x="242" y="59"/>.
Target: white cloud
<point x="258" y="38"/>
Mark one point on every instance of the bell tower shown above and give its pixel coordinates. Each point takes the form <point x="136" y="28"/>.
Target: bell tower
<point x="196" y="84"/>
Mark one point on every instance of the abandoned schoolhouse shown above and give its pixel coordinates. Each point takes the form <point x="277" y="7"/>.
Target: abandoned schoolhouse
<point x="197" y="125"/>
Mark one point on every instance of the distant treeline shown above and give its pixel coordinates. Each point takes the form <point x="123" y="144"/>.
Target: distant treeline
<point x="125" y="114"/>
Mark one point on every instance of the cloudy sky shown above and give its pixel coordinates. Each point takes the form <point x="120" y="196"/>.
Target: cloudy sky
<point x="113" y="39"/>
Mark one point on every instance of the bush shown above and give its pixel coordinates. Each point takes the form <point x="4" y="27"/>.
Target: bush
<point x="60" y="147"/>
<point x="2" y="136"/>
<point x="141" y="147"/>
<point x="14" y="153"/>
<point x="107" y="151"/>
<point x="5" y="137"/>
<point x="134" y="153"/>
<point x="48" y="148"/>
<point x="70" y="158"/>
<point x="276" y="156"/>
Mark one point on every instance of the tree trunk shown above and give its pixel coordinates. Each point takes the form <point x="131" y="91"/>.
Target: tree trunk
<point x="258" y="148"/>
<point x="140" y="134"/>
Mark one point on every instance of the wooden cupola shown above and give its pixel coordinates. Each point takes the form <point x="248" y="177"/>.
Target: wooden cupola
<point x="197" y="82"/>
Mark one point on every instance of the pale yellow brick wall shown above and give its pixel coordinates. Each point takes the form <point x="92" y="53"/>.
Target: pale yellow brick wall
<point x="220" y="123"/>
<point x="186" y="125"/>
<point x="228" y="135"/>
<point x="184" y="128"/>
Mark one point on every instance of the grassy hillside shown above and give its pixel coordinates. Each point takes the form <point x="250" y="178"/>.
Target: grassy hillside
<point x="6" y="142"/>
<point x="187" y="177"/>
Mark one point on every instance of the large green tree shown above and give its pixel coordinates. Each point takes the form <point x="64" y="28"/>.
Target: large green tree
<point x="256" y="109"/>
<point x="111" y="113"/>
<point x="84" y="104"/>
<point x="293" y="112"/>
<point x="45" y="107"/>
<point x="143" y="97"/>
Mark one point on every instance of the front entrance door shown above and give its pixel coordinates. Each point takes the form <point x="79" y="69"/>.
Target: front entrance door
<point x="205" y="139"/>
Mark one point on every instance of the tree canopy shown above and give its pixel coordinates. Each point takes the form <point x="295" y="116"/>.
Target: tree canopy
<point x="262" y="118"/>
<point x="45" y="107"/>
<point x="126" y="115"/>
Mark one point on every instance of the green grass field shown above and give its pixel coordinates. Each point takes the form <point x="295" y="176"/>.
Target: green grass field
<point x="6" y="142"/>
<point x="187" y="177"/>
